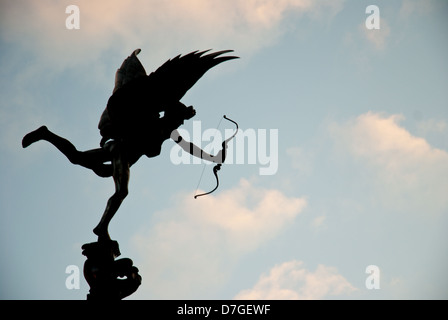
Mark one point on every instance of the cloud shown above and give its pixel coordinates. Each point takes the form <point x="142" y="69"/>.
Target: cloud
<point x="291" y="281"/>
<point x="408" y="170"/>
<point x="158" y="27"/>
<point x="192" y="247"/>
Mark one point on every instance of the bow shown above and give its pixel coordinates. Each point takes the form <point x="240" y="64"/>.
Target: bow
<point x="217" y="167"/>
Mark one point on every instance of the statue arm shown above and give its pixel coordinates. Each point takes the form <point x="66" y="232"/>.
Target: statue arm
<point x="194" y="149"/>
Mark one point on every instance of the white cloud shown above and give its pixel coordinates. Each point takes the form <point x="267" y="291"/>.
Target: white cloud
<point x="160" y="28"/>
<point x="193" y="246"/>
<point x="291" y="281"/>
<point x="410" y="173"/>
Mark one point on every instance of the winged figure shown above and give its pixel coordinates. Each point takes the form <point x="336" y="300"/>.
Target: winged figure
<point x="142" y="112"/>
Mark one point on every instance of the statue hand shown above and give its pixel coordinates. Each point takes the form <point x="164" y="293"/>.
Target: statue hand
<point x="220" y="157"/>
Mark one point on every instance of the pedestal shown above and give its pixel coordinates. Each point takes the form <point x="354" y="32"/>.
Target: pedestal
<point x="109" y="279"/>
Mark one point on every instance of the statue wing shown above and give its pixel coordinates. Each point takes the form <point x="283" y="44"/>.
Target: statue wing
<point x="137" y="99"/>
<point x="176" y="76"/>
<point x="130" y="69"/>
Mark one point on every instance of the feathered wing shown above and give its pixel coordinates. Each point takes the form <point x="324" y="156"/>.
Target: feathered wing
<point x="176" y="76"/>
<point x="136" y="103"/>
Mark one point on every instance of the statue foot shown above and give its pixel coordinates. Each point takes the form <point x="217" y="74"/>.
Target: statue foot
<point x="102" y="234"/>
<point x="34" y="136"/>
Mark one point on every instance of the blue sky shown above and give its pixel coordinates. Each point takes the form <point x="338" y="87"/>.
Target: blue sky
<point x="362" y="149"/>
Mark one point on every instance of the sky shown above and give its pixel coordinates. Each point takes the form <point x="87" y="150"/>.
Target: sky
<point x="334" y="187"/>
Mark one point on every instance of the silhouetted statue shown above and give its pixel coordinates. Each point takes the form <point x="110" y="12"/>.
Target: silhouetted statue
<point x="132" y="126"/>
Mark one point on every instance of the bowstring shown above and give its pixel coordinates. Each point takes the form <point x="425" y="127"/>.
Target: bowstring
<point x="203" y="168"/>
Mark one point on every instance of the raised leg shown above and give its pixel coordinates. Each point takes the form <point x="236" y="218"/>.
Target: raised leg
<point x="34" y="136"/>
<point x="92" y="159"/>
